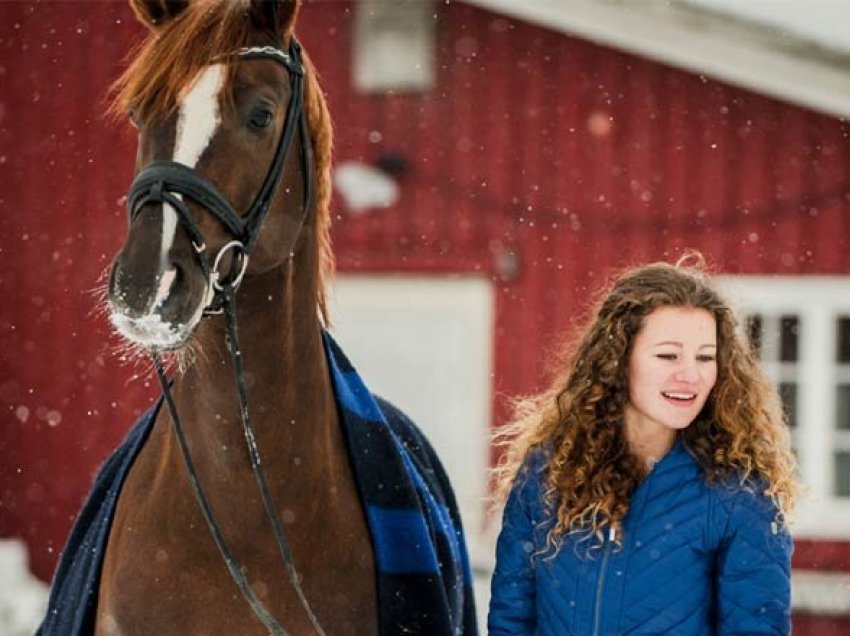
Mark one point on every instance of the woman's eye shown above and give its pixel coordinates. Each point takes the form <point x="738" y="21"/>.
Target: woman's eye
<point x="667" y="356"/>
<point x="706" y="358"/>
<point x="261" y="118"/>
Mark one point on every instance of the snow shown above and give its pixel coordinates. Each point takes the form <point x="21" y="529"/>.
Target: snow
<point x="23" y="598"/>
<point x="364" y="187"/>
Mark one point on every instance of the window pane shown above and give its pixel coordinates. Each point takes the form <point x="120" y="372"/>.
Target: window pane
<point x="789" y="334"/>
<point x="753" y="330"/>
<point x="843" y="338"/>
<point x="842" y="406"/>
<point x="788" y="393"/>
<point x="842" y="474"/>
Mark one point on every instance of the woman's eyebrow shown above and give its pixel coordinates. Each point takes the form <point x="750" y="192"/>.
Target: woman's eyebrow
<point x="679" y="344"/>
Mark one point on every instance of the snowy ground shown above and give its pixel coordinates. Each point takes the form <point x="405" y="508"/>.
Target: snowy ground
<point x="23" y="597"/>
<point x="482" y="598"/>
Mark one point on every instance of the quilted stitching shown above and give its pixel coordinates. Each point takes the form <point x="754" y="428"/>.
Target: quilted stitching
<point x="698" y="559"/>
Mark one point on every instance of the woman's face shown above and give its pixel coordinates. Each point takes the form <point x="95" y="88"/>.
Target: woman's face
<point x="672" y="368"/>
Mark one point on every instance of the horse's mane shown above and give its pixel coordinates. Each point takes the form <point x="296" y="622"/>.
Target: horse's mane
<point x="167" y="61"/>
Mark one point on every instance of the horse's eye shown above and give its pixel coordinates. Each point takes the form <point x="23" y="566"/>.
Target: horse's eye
<point x="261" y="118"/>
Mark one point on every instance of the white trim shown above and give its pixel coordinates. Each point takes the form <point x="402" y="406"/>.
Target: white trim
<point x="699" y="42"/>
<point x="787" y="293"/>
<point x="816" y="398"/>
<point x="821" y="22"/>
<point x="821" y="593"/>
<point x="818" y="517"/>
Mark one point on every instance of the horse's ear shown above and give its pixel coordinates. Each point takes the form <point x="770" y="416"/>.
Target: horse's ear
<point x="155" y="13"/>
<point x="274" y="16"/>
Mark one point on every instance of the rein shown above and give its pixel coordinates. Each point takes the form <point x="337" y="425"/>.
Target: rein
<point x="169" y="182"/>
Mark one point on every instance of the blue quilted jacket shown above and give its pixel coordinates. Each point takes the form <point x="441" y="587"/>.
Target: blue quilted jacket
<point x="695" y="559"/>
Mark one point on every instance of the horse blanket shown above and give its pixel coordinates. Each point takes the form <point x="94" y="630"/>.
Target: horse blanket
<point x="424" y="581"/>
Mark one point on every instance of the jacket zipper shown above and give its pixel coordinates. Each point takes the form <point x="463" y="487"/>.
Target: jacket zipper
<point x="597" y="613"/>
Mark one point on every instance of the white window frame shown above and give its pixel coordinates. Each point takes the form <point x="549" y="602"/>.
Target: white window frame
<point x="818" y="301"/>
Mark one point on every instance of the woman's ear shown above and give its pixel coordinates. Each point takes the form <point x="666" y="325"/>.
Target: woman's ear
<point x="156" y="13"/>
<point x="276" y="17"/>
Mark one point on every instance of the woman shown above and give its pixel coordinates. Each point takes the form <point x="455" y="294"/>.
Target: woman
<point x="647" y="489"/>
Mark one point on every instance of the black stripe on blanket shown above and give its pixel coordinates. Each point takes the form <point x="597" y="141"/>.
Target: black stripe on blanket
<point x="424" y="579"/>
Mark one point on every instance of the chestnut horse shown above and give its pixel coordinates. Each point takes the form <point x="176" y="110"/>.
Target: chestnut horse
<point x="224" y="117"/>
<point x="206" y="537"/>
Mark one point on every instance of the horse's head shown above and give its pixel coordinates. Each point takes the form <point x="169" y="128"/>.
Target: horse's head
<point x="211" y="101"/>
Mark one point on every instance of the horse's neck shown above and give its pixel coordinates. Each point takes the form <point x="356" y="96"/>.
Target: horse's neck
<point x="290" y="400"/>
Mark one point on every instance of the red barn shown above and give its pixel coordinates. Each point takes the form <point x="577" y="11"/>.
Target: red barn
<point x="503" y="163"/>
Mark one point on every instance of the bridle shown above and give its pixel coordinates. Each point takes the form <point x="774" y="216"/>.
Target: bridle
<point x="171" y="182"/>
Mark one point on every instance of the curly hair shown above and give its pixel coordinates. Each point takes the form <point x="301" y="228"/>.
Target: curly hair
<point x="590" y="472"/>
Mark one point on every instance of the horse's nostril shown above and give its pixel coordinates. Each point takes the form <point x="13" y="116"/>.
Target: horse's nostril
<point x="179" y="275"/>
<point x="123" y="293"/>
<point x="179" y="280"/>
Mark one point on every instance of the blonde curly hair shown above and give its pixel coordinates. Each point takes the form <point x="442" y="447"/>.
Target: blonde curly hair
<point x="590" y="472"/>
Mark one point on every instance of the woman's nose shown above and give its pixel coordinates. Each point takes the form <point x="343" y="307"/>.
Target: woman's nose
<point x="687" y="373"/>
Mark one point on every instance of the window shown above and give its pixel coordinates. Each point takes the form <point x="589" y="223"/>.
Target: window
<point x="800" y="330"/>
<point x="775" y="339"/>
<point x="394" y="45"/>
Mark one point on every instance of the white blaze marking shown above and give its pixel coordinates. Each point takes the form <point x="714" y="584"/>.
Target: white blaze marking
<point x="166" y="280"/>
<point x="197" y="122"/>
<point x="200" y="110"/>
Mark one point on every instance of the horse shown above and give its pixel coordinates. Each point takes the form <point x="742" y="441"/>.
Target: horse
<point x="238" y="509"/>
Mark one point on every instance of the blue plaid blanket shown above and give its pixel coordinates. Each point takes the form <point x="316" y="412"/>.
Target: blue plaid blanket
<point x="424" y="580"/>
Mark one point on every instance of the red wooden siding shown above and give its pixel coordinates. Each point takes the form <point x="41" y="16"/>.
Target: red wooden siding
<point x="573" y="157"/>
<point x="580" y="159"/>
<point x="66" y="399"/>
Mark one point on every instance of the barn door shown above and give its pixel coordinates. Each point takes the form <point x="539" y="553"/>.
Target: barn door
<point x="425" y="344"/>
